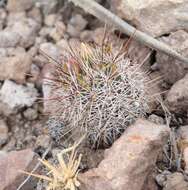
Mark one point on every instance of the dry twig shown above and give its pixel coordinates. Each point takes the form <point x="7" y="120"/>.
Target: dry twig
<point x="108" y="17"/>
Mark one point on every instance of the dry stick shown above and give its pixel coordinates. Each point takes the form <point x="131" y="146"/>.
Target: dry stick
<point x="108" y="17"/>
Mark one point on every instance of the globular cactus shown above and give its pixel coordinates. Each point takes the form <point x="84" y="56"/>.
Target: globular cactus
<point x="98" y="91"/>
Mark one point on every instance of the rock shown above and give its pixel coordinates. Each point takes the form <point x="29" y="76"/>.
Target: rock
<point x="10" y="166"/>
<point x="153" y="17"/>
<point x="55" y="151"/>
<point x="76" y="24"/>
<point x="185" y="159"/>
<point x="46" y="88"/>
<point x="19" y="5"/>
<point x="3" y="16"/>
<point x="3" y="52"/>
<point x="50" y="20"/>
<point x="182" y="134"/>
<point x="57" y="33"/>
<point x="155" y="90"/>
<point x="30" y="114"/>
<point x="15" y="51"/>
<point x="91" y="158"/>
<point x="14" y="17"/>
<point x="161" y="178"/>
<point x="72" y="31"/>
<point x="43" y="141"/>
<point x="9" y="38"/>
<point x="47" y="6"/>
<point x="27" y="28"/>
<point x="62" y="45"/>
<point x="3" y="132"/>
<point x="15" y="67"/>
<point x="6" y="110"/>
<point x="130" y="160"/>
<point x="177" y="97"/>
<point x="45" y="31"/>
<point x="35" y="73"/>
<point x="139" y="54"/>
<point x="172" y="69"/>
<point x="50" y="49"/>
<point x="86" y="36"/>
<point x="150" y="183"/>
<point x="18" y="96"/>
<point x="10" y="145"/>
<point x="35" y="14"/>
<point x="156" y="119"/>
<point x="176" y="181"/>
<point x="98" y="37"/>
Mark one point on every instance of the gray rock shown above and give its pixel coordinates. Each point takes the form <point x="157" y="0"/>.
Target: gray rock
<point x="50" y="20"/>
<point x="156" y="119"/>
<point x="86" y="36"/>
<point x="45" y="31"/>
<point x="130" y="159"/>
<point x="3" y="132"/>
<point x="30" y="114"/>
<point x="14" y="17"/>
<point x="76" y="24"/>
<point x="18" y="96"/>
<point x="3" y="16"/>
<point x="176" y="181"/>
<point x="35" y="73"/>
<point x="47" y="71"/>
<point x="47" y="6"/>
<point x="35" y="14"/>
<point x="182" y="134"/>
<point x="15" y="51"/>
<point x="9" y="38"/>
<point x="50" y="49"/>
<point x="153" y="17"/>
<point x="27" y="28"/>
<point x="58" y="32"/>
<point x="161" y="178"/>
<point x="172" y="69"/>
<point x="3" y="52"/>
<point x="20" y="31"/>
<point x="43" y="141"/>
<point x="6" y="110"/>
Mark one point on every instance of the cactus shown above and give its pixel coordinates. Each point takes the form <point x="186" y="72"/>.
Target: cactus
<point x="98" y="91"/>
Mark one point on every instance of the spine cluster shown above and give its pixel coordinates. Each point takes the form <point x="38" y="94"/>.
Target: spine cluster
<point x="96" y="90"/>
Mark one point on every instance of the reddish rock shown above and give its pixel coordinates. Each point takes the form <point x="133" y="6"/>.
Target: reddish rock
<point x="177" y="97"/>
<point x="19" y="5"/>
<point x="130" y="160"/>
<point x="15" y="67"/>
<point x="153" y="17"/>
<point x="10" y="166"/>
